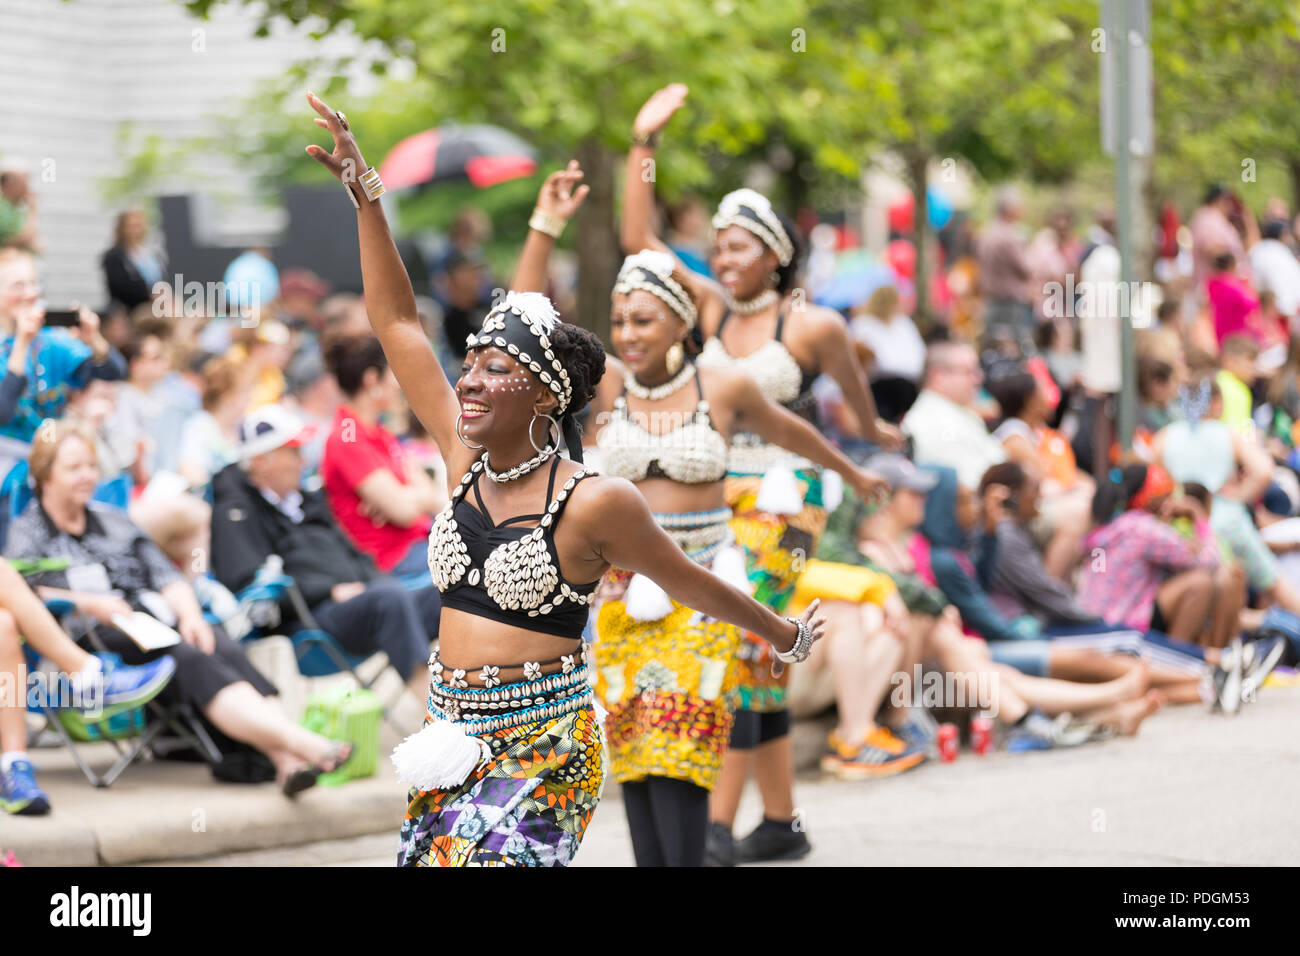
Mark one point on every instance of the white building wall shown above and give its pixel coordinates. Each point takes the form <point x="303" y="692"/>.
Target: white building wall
<point x="72" y="72"/>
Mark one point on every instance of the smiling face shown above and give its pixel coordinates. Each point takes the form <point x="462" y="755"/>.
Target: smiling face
<point x="73" y="475"/>
<point x="498" y="397"/>
<point x="642" y="329"/>
<point x="742" y="262"/>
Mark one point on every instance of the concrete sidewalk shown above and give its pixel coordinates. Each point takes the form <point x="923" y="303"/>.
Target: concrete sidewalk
<point x="1190" y="789"/>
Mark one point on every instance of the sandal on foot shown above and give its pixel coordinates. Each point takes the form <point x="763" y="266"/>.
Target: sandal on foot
<point x="306" y="777"/>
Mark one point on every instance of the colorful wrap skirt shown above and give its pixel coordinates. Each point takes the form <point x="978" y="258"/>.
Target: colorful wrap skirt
<point x="667" y="683"/>
<point x="777" y="548"/>
<point x="530" y="804"/>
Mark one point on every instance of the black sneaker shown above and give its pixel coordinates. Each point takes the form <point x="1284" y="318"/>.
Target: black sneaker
<point x="773" y="840"/>
<point x="1259" y="657"/>
<point x="719" y="846"/>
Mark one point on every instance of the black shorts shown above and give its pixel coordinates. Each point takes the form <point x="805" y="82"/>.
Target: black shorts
<point x="752" y="728"/>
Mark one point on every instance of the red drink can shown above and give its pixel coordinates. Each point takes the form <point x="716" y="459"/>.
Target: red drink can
<point x="947" y="740"/>
<point x="981" y="734"/>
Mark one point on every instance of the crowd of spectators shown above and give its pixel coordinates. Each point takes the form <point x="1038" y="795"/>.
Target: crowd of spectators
<point x="169" y="458"/>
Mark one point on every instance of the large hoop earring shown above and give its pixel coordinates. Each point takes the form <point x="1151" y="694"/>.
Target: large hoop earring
<point x="673" y="360"/>
<point x="462" y="437"/>
<point x="555" y="444"/>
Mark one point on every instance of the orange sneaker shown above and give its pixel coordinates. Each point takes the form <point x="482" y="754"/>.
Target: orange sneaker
<point x="880" y="754"/>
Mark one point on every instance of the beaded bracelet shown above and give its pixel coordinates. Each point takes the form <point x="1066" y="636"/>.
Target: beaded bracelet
<point x="546" y="223"/>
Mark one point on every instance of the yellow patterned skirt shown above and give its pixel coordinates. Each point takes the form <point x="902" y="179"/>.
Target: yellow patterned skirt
<point x="668" y="688"/>
<point x="777" y="550"/>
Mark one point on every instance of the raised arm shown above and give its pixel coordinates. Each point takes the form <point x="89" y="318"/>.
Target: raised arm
<point x="638" y="186"/>
<point x="557" y="201"/>
<point x="390" y="300"/>
<point x="618" y="523"/>
<point x="779" y="426"/>
<point x="637" y="232"/>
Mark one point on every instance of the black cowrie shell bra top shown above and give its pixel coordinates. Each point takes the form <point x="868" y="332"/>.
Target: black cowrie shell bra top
<point x="505" y="572"/>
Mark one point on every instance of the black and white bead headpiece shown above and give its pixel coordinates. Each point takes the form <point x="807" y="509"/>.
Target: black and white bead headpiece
<point x="521" y="324"/>
<point x="652" y="271"/>
<point x="752" y="211"/>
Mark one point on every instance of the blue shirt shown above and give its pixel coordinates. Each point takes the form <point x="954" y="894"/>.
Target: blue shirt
<point x="57" y="362"/>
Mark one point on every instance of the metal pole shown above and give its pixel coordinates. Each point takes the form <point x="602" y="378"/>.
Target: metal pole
<point x="1124" y="222"/>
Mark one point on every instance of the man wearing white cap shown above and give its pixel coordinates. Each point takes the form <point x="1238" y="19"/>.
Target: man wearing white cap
<point x="259" y="509"/>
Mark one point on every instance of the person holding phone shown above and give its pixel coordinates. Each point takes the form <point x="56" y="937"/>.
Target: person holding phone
<point x="41" y="365"/>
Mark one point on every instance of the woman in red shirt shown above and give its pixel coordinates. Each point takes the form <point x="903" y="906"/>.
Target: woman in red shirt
<point x="382" y="499"/>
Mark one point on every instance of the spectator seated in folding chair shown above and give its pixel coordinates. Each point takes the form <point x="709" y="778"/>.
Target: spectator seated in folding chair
<point x="180" y="526"/>
<point x="260" y="510"/>
<point x="115" y="571"/>
<point x="92" y="694"/>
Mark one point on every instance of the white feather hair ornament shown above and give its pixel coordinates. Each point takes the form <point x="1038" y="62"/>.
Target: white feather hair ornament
<point x="536" y="307"/>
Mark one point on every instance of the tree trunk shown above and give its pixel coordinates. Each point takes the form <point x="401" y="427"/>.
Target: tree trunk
<point x="1293" y="167"/>
<point x="597" y="239"/>
<point x="917" y="170"/>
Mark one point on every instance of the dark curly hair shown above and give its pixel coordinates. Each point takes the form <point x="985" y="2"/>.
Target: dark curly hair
<point x="788" y="275"/>
<point x="583" y="357"/>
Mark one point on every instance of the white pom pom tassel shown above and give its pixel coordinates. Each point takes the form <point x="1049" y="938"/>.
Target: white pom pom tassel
<point x="832" y="490"/>
<point x="645" y="600"/>
<point x="779" y="493"/>
<point x="729" y="565"/>
<point x="439" y="756"/>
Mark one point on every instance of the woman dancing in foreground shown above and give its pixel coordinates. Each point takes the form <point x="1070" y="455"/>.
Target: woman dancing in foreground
<point x="508" y="767"/>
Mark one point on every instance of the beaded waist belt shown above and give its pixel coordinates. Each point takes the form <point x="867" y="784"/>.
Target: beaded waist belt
<point x="481" y="711"/>
<point x="701" y="534"/>
<point x="750" y="455"/>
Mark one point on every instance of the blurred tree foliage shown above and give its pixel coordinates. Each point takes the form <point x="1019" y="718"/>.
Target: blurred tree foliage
<point x="812" y="89"/>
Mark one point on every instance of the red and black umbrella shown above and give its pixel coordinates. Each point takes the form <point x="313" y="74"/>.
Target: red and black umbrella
<point x="484" y="155"/>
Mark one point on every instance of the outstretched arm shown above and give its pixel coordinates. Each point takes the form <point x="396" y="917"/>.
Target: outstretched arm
<point x="390" y="300"/>
<point x="559" y="199"/>
<point x="838" y="359"/>
<point x="623" y="533"/>
<point x="779" y="426"/>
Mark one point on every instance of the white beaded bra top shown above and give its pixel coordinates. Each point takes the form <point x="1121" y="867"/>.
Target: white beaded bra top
<point x="503" y="571"/>
<point x="771" y="366"/>
<point x="694" y="453"/>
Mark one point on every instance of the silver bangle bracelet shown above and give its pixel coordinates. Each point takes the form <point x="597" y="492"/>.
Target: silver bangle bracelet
<point x="802" y="643"/>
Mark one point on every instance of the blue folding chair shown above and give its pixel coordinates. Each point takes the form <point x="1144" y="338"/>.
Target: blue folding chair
<point x="133" y="732"/>
<point x="316" y="651"/>
<point x="114" y="491"/>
